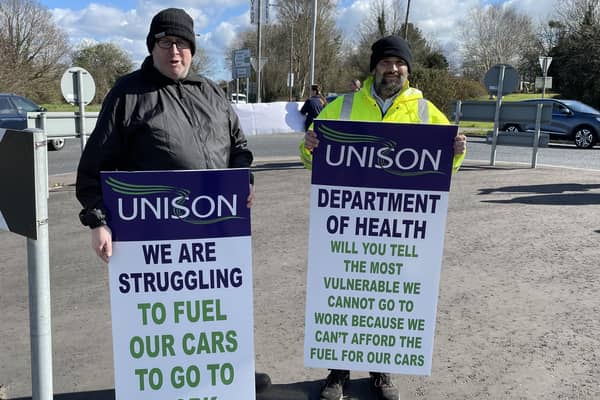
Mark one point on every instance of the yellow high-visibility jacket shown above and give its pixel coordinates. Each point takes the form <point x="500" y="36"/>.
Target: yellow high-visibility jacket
<point x="408" y="107"/>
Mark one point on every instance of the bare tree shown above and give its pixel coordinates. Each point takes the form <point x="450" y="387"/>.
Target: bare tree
<point x="571" y="13"/>
<point x="202" y="63"/>
<point x="494" y="34"/>
<point x="284" y="55"/>
<point x="386" y="17"/>
<point x="33" y="50"/>
<point x="106" y="62"/>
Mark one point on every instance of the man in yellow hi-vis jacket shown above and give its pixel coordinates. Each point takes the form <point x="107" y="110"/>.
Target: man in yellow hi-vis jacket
<point x="385" y="96"/>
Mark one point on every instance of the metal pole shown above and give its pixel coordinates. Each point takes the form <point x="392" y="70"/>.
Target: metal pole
<point x="42" y="126"/>
<point x="258" y="52"/>
<point x="81" y="109"/>
<point x="536" y="136"/>
<point x="544" y="85"/>
<point x="406" y="21"/>
<point x="247" y="86"/>
<point x="312" y="51"/>
<point x="457" y="112"/>
<point x="291" y="63"/>
<point x="497" y="115"/>
<point x="38" y="267"/>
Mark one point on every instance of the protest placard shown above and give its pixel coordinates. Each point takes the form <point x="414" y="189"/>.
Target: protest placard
<point x="181" y="284"/>
<point x="378" y="206"/>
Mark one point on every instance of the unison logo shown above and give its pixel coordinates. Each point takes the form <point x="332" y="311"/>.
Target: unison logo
<point x="163" y="202"/>
<point x="368" y="151"/>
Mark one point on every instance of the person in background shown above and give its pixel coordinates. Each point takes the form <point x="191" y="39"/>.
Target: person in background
<point x="160" y="117"/>
<point x="386" y="96"/>
<point x="313" y="105"/>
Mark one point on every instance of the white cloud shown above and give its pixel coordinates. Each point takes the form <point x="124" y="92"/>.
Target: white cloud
<point x="539" y="10"/>
<point x="439" y="20"/>
<point x="218" y="23"/>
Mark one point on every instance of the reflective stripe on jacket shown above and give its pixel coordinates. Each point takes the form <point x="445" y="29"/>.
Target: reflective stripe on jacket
<point x="408" y="107"/>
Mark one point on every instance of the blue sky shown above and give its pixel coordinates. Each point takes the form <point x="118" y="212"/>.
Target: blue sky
<point x="217" y="22"/>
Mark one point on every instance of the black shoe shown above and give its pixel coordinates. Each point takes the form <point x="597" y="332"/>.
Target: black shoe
<point x="334" y="385"/>
<point x="261" y="381"/>
<point x="384" y="387"/>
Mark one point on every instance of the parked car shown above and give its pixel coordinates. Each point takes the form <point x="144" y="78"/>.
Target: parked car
<point x="238" y="98"/>
<point x="13" y="115"/>
<point x="572" y="120"/>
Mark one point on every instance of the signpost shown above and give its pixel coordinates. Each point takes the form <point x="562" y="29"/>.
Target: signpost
<point x="78" y="87"/>
<point x="258" y="68"/>
<point x="24" y="210"/>
<point x="501" y="79"/>
<point x="545" y="64"/>
<point x="241" y="68"/>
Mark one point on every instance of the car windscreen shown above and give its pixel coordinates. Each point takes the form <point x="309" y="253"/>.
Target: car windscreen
<point x="25" y="105"/>
<point x="6" y="107"/>
<point x="580" y="107"/>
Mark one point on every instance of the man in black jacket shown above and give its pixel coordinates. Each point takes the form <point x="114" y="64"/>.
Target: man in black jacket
<point x="160" y="117"/>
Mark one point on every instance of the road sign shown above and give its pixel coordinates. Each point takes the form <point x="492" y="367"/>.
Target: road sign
<point x="263" y="61"/>
<point x="18" y="212"/>
<point x="543" y="82"/>
<point x="264" y="11"/>
<point x="509" y="83"/>
<point x="241" y="72"/>
<point x="545" y="64"/>
<point x="69" y="86"/>
<point x="241" y="58"/>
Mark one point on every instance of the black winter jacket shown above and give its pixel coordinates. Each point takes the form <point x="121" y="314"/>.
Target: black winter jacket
<point x="311" y="108"/>
<point x="151" y="122"/>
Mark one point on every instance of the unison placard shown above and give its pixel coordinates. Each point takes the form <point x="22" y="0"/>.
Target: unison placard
<point x="379" y="201"/>
<point x="181" y="284"/>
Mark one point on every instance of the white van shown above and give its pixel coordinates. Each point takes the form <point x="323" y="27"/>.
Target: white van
<point x="238" y="98"/>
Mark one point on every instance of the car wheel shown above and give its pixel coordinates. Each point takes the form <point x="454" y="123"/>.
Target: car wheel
<point x="584" y="137"/>
<point x="511" y="128"/>
<point x="56" y="144"/>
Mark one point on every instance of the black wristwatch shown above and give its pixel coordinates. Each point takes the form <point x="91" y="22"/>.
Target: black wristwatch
<point x="92" y="218"/>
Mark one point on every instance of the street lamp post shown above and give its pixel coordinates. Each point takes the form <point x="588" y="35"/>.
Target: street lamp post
<point x="258" y="53"/>
<point x="291" y="75"/>
<point x="406" y="21"/>
<point x="312" y="51"/>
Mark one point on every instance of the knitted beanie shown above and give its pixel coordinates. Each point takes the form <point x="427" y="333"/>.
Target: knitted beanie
<point x="390" y="46"/>
<point x="172" y="22"/>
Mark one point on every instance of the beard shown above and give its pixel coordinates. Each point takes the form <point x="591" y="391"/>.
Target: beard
<point x="387" y="85"/>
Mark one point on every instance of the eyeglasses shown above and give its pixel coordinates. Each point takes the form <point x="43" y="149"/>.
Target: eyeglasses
<point x="168" y="43"/>
<point x="392" y="62"/>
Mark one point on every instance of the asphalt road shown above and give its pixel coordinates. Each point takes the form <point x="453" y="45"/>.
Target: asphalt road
<point x="517" y="311"/>
<point x="284" y="146"/>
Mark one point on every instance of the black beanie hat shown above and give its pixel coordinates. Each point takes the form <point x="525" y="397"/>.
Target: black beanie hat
<point x="172" y="22"/>
<point x="390" y="46"/>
